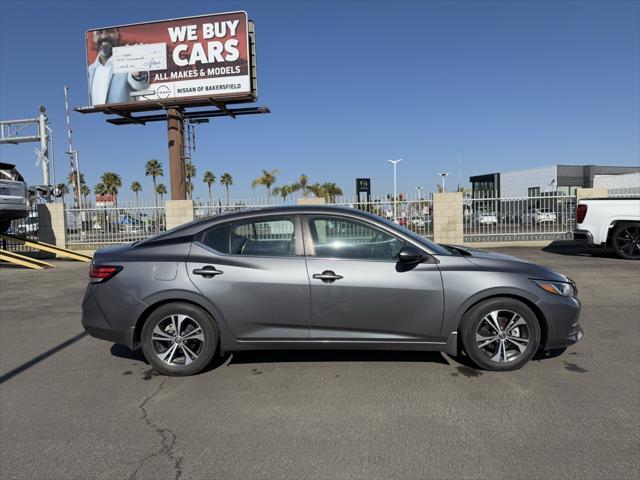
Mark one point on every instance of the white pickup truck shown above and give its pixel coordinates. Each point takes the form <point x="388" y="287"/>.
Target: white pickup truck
<point x="610" y="222"/>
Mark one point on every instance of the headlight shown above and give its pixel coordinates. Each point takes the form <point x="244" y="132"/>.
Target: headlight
<point x="556" y="288"/>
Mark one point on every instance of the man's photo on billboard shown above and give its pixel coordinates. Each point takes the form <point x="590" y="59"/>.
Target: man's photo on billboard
<point x="104" y="85"/>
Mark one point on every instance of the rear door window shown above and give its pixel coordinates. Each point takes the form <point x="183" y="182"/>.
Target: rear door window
<point x="272" y="237"/>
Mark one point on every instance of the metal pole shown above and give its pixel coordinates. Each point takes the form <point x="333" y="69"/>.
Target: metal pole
<point x="175" y="135"/>
<point x="44" y="145"/>
<point x="73" y="154"/>
<point x="395" y="189"/>
<point x="78" y="182"/>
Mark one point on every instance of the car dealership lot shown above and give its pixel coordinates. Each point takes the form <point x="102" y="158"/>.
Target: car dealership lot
<point x="73" y="406"/>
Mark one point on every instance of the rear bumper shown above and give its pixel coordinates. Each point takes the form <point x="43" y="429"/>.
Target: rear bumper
<point x="11" y="212"/>
<point x="95" y="323"/>
<point x="583" y="236"/>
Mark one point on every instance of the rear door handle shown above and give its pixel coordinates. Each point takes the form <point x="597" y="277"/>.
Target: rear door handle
<point x="208" y="271"/>
<point x="327" y="276"/>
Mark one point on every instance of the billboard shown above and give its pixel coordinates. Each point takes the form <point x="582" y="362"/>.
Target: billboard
<point x="184" y="61"/>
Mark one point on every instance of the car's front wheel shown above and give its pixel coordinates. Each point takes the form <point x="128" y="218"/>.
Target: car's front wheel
<point x="500" y="334"/>
<point x="179" y="339"/>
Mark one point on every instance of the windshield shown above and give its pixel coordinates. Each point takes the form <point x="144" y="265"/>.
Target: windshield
<point x="438" y="249"/>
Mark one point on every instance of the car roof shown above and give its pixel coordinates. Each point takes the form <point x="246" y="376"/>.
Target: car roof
<point x="197" y="225"/>
<point x="6" y="166"/>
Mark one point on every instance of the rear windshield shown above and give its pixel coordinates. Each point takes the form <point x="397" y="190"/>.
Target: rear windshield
<point x="9" y="172"/>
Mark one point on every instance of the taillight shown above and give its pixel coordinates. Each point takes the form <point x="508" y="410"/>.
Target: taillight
<point x="102" y="273"/>
<point x="581" y="212"/>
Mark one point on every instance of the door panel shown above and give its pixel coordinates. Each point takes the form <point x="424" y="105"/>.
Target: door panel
<point x="361" y="292"/>
<point x="260" y="298"/>
<point x="375" y="301"/>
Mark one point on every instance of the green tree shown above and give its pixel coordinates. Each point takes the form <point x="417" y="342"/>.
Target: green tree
<point x="301" y="185"/>
<point x="227" y="180"/>
<point x="331" y="191"/>
<point x="161" y="190"/>
<point x="209" y="178"/>
<point x="136" y="188"/>
<point x="284" y="191"/>
<point x="267" y="179"/>
<point x="63" y="189"/>
<point x="317" y="190"/>
<point x="72" y="181"/>
<point x="153" y="169"/>
<point x="112" y="182"/>
<point x="190" y="173"/>
<point x="84" y="191"/>
<point x="328" y="190"/>
<point x="100" y="189"/>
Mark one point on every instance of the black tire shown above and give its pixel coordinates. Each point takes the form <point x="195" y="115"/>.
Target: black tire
<point x="4" y="225"/>
<point x="163" y="318"/>
<point x="625" y="241"/>
<point x="512" y="357"/>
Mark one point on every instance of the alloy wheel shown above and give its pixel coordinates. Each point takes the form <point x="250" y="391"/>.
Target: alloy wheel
<point x="628" y="241"/>
<point x="177" y="340"/>
<point x="503" y="335"/>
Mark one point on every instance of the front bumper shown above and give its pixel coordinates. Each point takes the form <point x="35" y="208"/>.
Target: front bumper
<point x="563" y="322"/>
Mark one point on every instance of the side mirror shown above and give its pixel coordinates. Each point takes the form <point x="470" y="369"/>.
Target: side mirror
<point x="410" y="255"/>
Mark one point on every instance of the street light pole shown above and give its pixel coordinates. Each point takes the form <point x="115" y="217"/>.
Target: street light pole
<point x="443" y="175"/>
<point x="395" y="188"/>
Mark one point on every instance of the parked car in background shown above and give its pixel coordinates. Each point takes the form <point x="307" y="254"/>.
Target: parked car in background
<point x="29" y="226"/>
<point x="318" y="277"/>
<point x="14" y="202"/>
<point x="610" y="223"/>
<point x="539" y="215"/>
<point x="484" y="218"/>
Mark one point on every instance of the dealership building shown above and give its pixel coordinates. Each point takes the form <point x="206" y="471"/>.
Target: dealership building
<point x="564" y="179"/>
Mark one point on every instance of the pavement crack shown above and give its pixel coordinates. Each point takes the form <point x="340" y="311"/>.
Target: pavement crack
<point x="167" y="438"/>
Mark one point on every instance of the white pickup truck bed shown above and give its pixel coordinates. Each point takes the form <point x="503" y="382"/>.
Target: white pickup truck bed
<point x="610" y="222"/>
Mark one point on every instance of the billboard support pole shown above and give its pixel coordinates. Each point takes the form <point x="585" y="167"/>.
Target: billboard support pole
<point x="175" y="135"/>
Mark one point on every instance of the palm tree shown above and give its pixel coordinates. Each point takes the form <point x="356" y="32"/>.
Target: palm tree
<point x="266" y="179"/>
<point x="136" y="188"/>
<point x="209" y="178"/>
<point x="190" y="172"/>
<point x="317" y="190"/>
<point x="153" y="168"/>
<point x="331" y="191"/>
<point x="72" y="181"/>
<point x="284" y="191"/>
<point x="301" y="185"/>
<point x="85" y="191"/>
<point x="112" y="182"/>
<point x="100" y="189"/>
<point x="227" y="180"/>
<point x="63" y="189"/>
<point x="161" y="190"/>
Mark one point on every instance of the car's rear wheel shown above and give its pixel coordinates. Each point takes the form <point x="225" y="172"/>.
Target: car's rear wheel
<point x="500" y="334"/>
<point x="625" y="241"/>
<point x="179" y="339"/>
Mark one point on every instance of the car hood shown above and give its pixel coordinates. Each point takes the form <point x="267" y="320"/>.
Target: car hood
<point x="509" y="263"/>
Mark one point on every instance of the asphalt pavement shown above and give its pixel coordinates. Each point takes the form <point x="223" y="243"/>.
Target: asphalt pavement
<point x="75" y="407"/>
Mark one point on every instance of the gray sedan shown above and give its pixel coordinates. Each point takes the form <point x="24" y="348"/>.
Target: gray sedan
<point x="322" y="278"/>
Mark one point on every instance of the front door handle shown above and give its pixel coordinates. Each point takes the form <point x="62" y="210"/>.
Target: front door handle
<point x="208" y="271"/>
<point x="327" y="276"/>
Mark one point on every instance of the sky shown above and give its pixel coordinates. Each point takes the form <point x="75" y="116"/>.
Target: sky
<point x="503" y="85"/>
